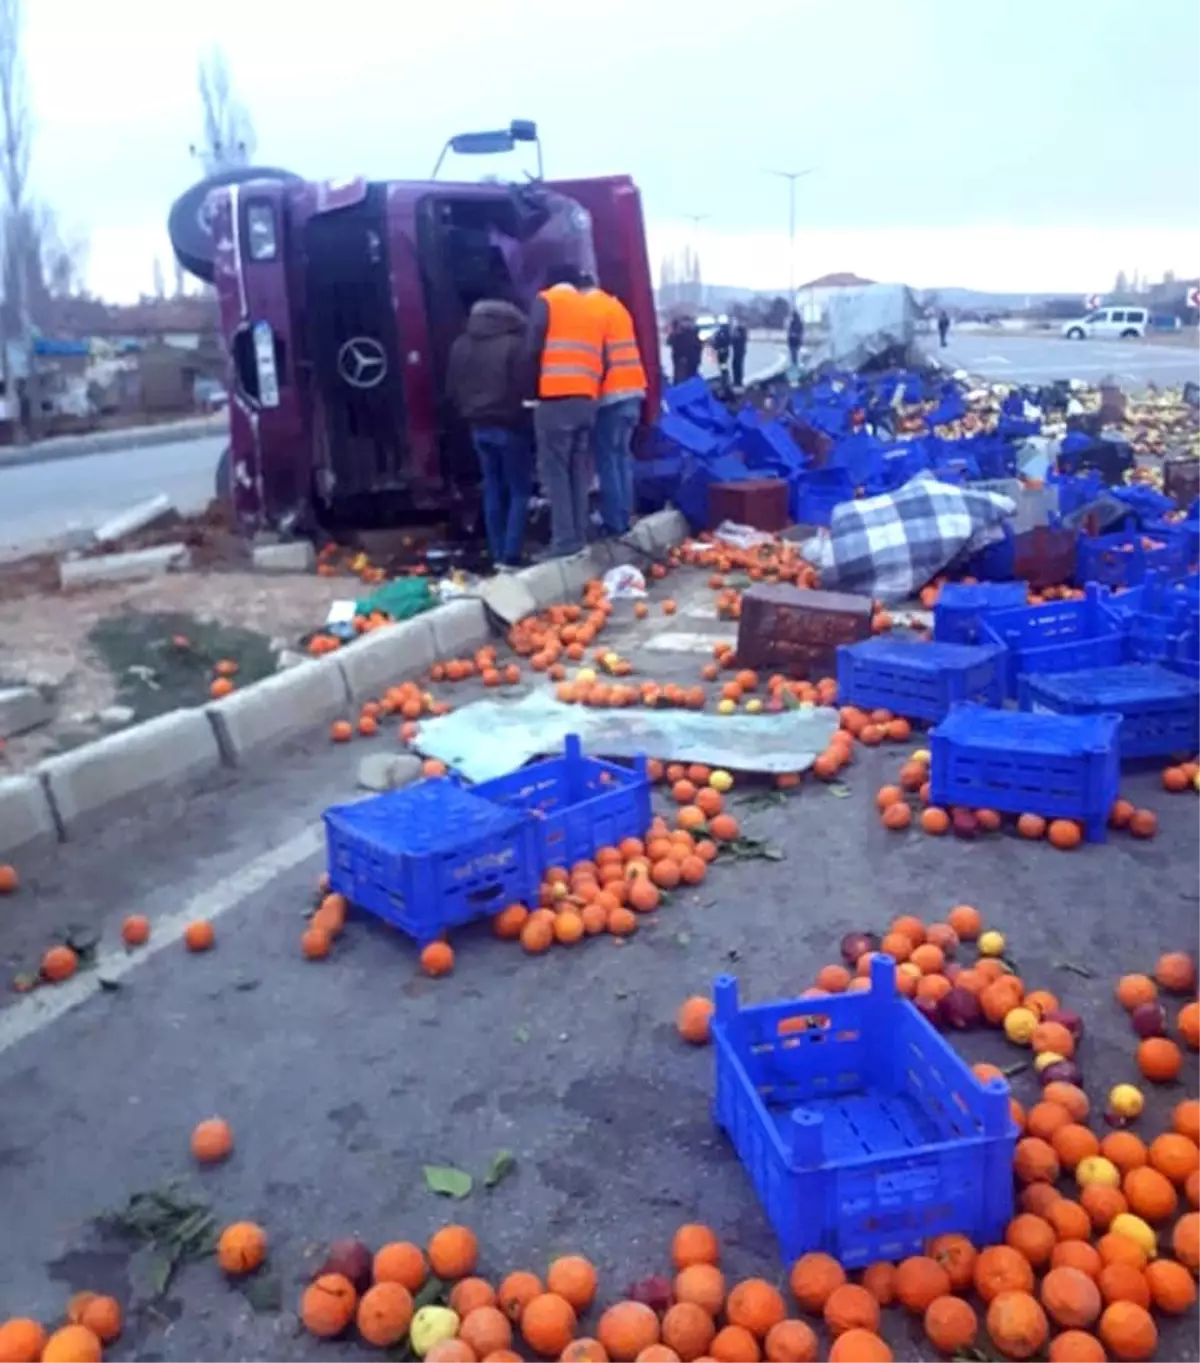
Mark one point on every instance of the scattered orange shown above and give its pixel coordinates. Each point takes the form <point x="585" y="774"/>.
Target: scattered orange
<point x="400" y="1262"/>
<point x="1076" y="1346"/>
<point x="1172" y="1288"/>
<point x="1000" y="1268"/>
<point x="327" y="1305"/>
<point x="957" y="1256"/>
<point x="813" y="1277"/>
<point x="242" y="1248"/>
<point x="22" y="1340"/>
<point x="384" y="1314"/>
<point x="1071" y="1298"/>
<point x="951" y="1325"/>
<point x="453" y="1252"/>
<point x="1017" y="1324"/>
<point x="199" y="936"/>
<point x="212" y="1140"/>
<point x="1128" y="1331"/>
<point x="860" y="1346"/>
<point x="1031" y="1236"/>
<point x="791" y="1341"/>
<point x="574" y="1279"/>
<point x="703" y="1284"/>
<point x="850" y="1307"/>
<point x="920" y="1280"/>
<point x="688" y="1329"/>
<point x="755" y="1305"/>
<point x="625" y="1329"/>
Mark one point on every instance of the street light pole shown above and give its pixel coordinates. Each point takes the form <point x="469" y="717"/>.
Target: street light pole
<point x="696" y="219"/>
<point x="791" y="176"/>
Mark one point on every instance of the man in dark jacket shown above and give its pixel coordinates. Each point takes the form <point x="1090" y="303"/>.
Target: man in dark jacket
<point x="943" y="325"/>
<point x="795" y="339"/>
<point x="722" y="341"/>
<point x="686" y="349"/>
<point x="739" y="338"/>
<point x="486" y="381"/>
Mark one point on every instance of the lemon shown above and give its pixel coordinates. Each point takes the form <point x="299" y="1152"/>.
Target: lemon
<point x="1097" y="1169"/>
<point x="726" y="707"/>
<point x="1126" y="1101"/>
<point x="753" y="707"/>
<point x="992" y="944"/>
<point x="1045" y="1059"/>
<point x="721" y="780"/>
<point x="921" y="755"/>
<point x="1135" y="1229"/>
<point x="1019" y="1024"/>
<point x="585" y="674"/>
<point x="430" y="1326"/>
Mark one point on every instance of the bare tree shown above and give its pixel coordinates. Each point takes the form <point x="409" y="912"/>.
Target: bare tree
<point x="16" y="136"/>
<point x="160" y="279"/>
<point x="229" y="138"/>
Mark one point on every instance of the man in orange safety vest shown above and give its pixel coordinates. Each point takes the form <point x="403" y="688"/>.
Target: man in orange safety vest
<point x="566" y="349"/>
<point x="622" y="392"/>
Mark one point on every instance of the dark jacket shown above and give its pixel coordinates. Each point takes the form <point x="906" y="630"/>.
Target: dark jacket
<point x="485" y="376"/>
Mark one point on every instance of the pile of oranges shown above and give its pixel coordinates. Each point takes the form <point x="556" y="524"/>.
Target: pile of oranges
<point x="909" y="798"/>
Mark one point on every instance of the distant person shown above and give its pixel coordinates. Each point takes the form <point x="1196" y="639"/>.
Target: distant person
<point x="686" y="349"/>
<point x="722" y="343"/>
<point x="739" y="338"/>
<point x="943" y="326"/>
<point x="565" y="348"/>
<point x="486" y="381"/>
<point x="622" y="391"/>
<point x="795" y="338"/>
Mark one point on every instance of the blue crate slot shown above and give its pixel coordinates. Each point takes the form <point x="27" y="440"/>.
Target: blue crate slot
<point x="1121" y="560"/>
<point x="862" y="1130"/>
<point x="1058" y="636"/>
<point x="962" y="608"/>
<point x="1058" y="766"/>
<point x="578" y="803"/>
<point x="1159" y="709"/>
<point x="431" y="857"/>
<point x="919" y="680"/>
<point x="1076" y="490"/>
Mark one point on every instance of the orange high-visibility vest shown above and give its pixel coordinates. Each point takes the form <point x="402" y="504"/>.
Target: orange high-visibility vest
<point x="573" y="353"/>
<point x="623" y="371"/>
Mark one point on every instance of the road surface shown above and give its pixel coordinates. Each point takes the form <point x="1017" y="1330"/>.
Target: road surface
<point x="342" y="1078"/>
<point x="40" y="502"/>
<point x="1033" y="358"/>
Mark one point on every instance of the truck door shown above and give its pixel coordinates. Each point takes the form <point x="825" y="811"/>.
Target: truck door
<point x="619" y="235"/>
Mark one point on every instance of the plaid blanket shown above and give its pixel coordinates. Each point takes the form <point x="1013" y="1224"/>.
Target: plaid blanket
<point x="889" y="547"/>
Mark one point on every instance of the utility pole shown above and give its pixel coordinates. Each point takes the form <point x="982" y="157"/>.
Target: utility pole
<point x="791" y="176"/>
<point x="696" y="219"/>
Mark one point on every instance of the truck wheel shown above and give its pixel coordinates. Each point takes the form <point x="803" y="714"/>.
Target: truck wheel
<point x="223" y="478"/>
<point x="1130" y="332"/>
<point x="1075" y="334"/>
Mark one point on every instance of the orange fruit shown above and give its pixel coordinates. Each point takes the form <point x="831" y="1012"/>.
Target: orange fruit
<point x="1174" y="1156"/>
<point x="1172" y="1287"/>
<point x="951" y="1325"/>
<point x="755" y="1305"/>
<point x="548" y="1324"/>
<point x="1150" y="1194"/>
<point x="625" y="1329"/>
<point x="574" y="1279"/>
<point x="850" y="1307"/>
<point x="688" y="1329"/>
<point x="791" y="1341"/>
<point x="1128" y="1331"/>
<point x="327" y="1305"/>
<point x="860" y="1346"/>
<point x="1159" y="1059"/>
<point x="1017" y="1324"/>
<point x="957" y="1256"/>
<point x="919" y="1281"/>
<point x="702" y="1284"/>
<point x="733" y="1344"/>
<point x="1000" y="1268"/>
<point x="1076" y="1346"/>
<point x="400" y="1262"/>
<point x="812" y="1278"/>
<point x="1071" y="1298"/>
<point x="1031" y="1236"/>
<point x="695" y="1243"/>
<point x="453" y="1252"/>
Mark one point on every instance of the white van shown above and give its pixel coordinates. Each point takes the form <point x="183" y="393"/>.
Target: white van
<point x="1104" y="322"/>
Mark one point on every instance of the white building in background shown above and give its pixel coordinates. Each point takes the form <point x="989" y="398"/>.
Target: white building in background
<point x="812" y="299"/>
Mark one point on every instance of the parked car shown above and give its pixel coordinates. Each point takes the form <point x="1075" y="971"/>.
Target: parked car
<point x="1123" y="322"/>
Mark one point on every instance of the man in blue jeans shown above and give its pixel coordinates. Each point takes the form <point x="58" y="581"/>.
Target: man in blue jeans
<point x="618" y="411"/>
<point x="485" y="379"/>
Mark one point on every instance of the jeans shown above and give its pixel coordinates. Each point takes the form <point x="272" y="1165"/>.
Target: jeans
<point x="507" y="486"/>
<point x="615" y="425"/>
<point x="564" y="428"/>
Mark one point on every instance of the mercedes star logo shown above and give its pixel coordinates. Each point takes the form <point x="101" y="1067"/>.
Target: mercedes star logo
<point x="361" y="362"/>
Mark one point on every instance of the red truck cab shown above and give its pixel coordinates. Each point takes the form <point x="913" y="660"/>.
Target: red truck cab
<point x="339" y="303"/>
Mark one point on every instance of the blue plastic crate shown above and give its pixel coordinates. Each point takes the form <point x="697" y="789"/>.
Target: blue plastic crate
<point x="862" y="1130"/>
<point x="1159" y="709"/>
<point x="1058" y="636"/>
<point x="431" y="857"/>
<point x="1122" y="560"/>
<point x="963" y="606"/>
<point x="578" y="803"/>
<point x="1058" y="766"/>
<point x="815" y="495"/>
<point x="919" y="680"/>
<point x="1076" y="490"/>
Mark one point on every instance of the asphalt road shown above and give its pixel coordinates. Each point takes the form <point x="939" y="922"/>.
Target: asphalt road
<point x="1033" y="358"/>
<point x="342" y="1078"/>
<point x="39" y="502"/>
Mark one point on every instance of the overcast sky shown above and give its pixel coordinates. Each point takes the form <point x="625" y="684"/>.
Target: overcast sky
<point x="1008" y="144"/>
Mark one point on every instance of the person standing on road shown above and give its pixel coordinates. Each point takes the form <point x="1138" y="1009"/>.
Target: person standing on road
<point x="622" y="391"/>
<point x="722" y="342"/>
<point x="565" y="350"/>
<point x="943" y="326"/>
<point x="485" y="381"/>
<point x="795" y="338"/>
<point x="739" y="338"/>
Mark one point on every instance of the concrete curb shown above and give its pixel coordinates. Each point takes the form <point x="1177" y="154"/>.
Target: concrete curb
<point x="112" y="442"/>
<point x="70" y="792"/>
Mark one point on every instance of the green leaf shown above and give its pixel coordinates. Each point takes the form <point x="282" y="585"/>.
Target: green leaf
<point x="264" y="1292"/>
<point x="448" y="1181"/>
<point x="504" y="1162"/>
<point x="683" y="938"/>
<point x="434" y="1292"/>
<point x="160" y="1273"/>
<point x="522" y="1034"/>
<point x="1075" y="969"/>
<point x="838" y="791"/>
<point x="109" y="986"/>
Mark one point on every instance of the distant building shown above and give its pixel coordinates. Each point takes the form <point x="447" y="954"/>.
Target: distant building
<point x="812" y="299"/>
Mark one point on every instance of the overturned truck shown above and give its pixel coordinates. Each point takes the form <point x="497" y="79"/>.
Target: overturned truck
<point x="339" y="302"/>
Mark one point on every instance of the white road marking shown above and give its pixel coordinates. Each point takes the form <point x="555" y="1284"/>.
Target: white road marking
<point x="994" y="359"/>
<point x="49" y="1003"/>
